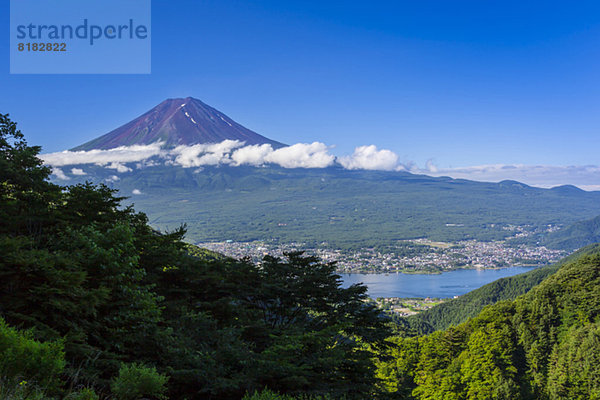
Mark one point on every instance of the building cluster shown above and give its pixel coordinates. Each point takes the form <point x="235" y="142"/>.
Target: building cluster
<point x="439" y="257"/>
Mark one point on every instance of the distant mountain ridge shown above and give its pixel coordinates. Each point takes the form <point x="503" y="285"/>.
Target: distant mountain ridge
<point x="180" y="121"/>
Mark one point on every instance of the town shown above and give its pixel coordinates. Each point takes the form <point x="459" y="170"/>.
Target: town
<point x="413" y="256"/>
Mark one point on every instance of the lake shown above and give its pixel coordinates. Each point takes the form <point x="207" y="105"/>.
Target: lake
<point x="446" y="284"/>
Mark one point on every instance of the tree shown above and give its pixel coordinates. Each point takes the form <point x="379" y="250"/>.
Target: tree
<point x="78" y="267"/>
<point x="26" y="196"/>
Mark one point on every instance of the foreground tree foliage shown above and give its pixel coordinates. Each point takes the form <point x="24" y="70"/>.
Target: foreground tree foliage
<point x="86" y="274"/>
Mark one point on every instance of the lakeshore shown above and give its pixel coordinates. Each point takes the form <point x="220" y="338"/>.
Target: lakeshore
<point x="443" y="285"/>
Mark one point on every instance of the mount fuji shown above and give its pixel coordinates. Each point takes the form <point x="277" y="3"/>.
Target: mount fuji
<point x="174" y="122"/>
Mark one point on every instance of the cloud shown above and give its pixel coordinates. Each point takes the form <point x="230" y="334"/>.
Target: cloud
<point x="302" y="155"/>
<point x="119" y="167"/>
<point x="368" y="157"/>
<point x="251" y="155"/>
<point x="227" y="152"/>
<point x="60" y="174"/>
<point x="136" y="191"/>
<point x="590" y="188"/>
<point x="431" y="167"/>
<point x="299" y="155"/>
<point x="205" y="154"/>
<point x="147" y="163"/>
<point x="311" y="155"/>
<point x="78" y="171"/>
<point x="409" y="166"/>
<point x="122" y="154"/>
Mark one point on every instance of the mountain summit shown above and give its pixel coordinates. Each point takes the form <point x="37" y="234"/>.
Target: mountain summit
<point x="178" y="122"/>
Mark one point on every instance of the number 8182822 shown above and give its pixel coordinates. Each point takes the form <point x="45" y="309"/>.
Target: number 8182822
<point x="42" y="47"/>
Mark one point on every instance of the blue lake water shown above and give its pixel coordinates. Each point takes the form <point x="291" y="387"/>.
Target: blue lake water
<point x="447" y="284"/>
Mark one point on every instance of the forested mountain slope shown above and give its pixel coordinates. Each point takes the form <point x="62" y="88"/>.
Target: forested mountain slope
<point x="456" y="311"/>
<point x="345" y="208"/>
<point x="574" y="236"/>
<point x="543" y="345"/>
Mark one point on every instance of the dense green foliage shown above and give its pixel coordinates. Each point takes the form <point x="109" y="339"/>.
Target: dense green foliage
<point x="135" y="381"/>
<point x="31" y="370"/>
<point x="346" y="209"/>
<point x="270" y="395"/>
<point x="133" y="310"/>
<point x="25" y="361"/>
<point x="543" y="345"/>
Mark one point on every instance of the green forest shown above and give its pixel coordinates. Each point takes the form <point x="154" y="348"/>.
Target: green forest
<point x="96" y="304"/>
<point x="346" y="209"/>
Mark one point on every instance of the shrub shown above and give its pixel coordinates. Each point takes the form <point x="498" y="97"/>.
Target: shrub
<point x="27" y="363"/>
<point x="84" y="394"/>
<point x="136" y="381"/>
<point x="270" y="395"/>
<point x="20" y="391"/>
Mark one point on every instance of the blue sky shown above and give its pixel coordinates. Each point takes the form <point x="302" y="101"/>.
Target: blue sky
<point x="461" y="83"/>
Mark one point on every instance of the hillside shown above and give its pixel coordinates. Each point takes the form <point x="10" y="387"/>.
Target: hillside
<point x="579" y="234"/>
<point x="345" y="208"/>
<point x="456" y="311"/>
<point x="572" y="237"/>
<point x="543" y="345"/>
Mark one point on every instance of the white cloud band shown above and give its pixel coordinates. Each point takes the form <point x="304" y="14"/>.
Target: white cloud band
<point x="311" y="155"/>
